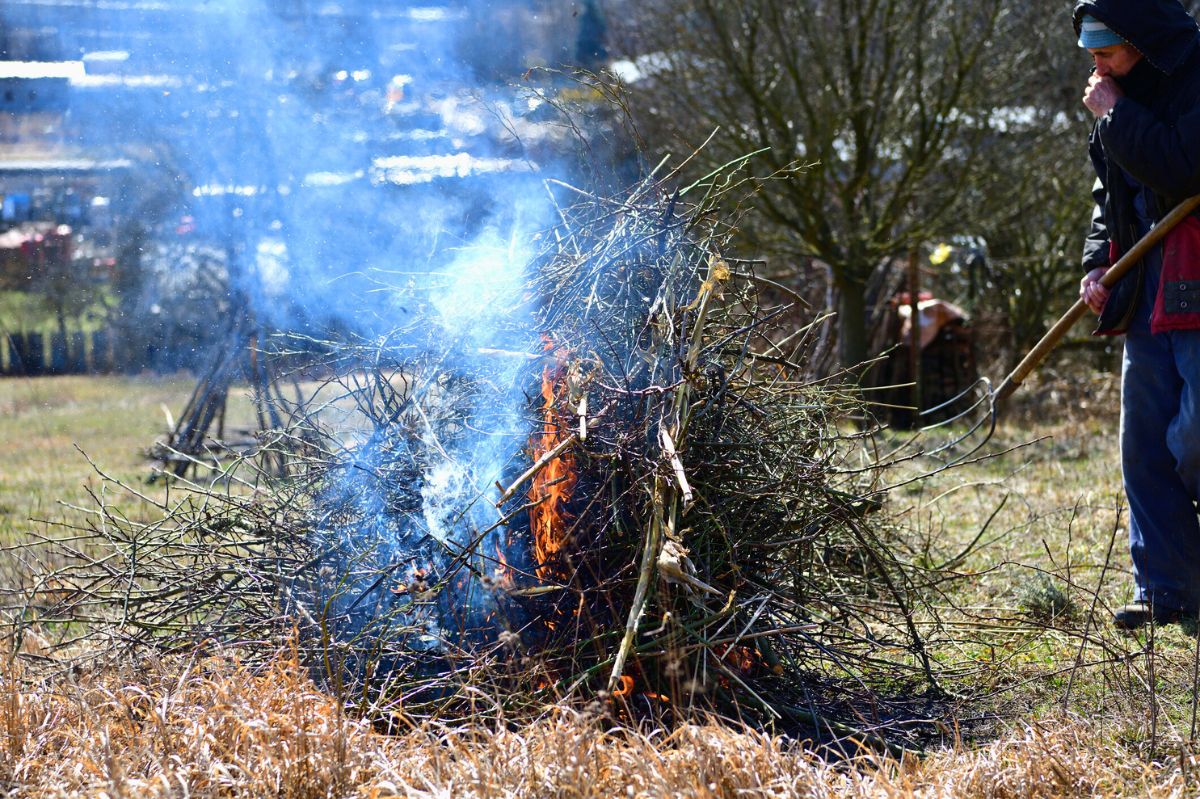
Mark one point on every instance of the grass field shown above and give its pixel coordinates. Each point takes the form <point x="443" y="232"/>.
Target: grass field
<point x="1033" y="539"/>
<point x="57" y="432"/>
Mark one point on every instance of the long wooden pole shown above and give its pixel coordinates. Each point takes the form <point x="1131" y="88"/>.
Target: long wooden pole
<point x="1114" y="273"/>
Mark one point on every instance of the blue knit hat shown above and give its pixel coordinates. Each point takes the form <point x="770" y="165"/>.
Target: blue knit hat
<point x="1094" y="34"/>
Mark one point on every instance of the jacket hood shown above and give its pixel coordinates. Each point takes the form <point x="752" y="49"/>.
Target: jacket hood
<point x="1162" y="30"/>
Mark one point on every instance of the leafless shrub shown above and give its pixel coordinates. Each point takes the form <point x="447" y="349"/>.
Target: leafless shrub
<point x="628" y="491"/>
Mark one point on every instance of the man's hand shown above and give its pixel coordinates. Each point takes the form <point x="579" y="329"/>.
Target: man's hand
<point x="1101" y="94"/>
<point x="1091" y="292"/>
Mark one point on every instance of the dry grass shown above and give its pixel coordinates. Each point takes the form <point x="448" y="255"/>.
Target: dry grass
<point x="210" y="727"/>
<point x="206" y="727"/>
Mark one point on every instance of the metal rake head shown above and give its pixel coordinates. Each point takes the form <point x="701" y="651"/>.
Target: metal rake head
<point x="974" y="422"/>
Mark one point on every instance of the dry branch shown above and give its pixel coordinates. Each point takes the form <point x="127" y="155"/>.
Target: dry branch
<point x="743" y="582"/>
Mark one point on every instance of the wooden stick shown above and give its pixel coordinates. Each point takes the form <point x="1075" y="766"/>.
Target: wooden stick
<point x="649" y="558"/>
<point x="507" y="493"/>
<point x="914" y="343"/>
<point x="1126" y="262"/>
<point x="538" y="465"/>
<point x="718" y="271"/>
<point x="668" y="445"/>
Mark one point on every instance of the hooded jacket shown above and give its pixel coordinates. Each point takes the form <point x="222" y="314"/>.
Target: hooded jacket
<point x="1152" y="134"/>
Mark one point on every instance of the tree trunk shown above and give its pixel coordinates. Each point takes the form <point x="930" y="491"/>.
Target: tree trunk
<point x="852" y="323"/>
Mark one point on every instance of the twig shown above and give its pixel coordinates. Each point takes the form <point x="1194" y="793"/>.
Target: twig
<point x="1195" y="681"/>
<point x="537" y="466"/>
<point x="1152" y="682"/>
<point x="668" y="445"/>
<point x="649" y="556"/>
<point x="1092" y="612"/>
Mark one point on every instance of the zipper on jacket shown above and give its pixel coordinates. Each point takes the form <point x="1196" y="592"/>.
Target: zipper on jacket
<point x="1139" y="285"/>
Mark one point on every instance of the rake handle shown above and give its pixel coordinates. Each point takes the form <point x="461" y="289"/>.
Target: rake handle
<point x="1115" y="272"/>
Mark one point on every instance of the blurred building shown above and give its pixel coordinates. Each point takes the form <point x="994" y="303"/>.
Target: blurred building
<point x="34" y="98"/>
<point x="89" y="89"/>
<point x="45" y="175"/>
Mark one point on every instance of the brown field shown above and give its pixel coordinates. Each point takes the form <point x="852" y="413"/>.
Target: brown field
<point x="206" y="728"/>
<point x="1034" y="536"/>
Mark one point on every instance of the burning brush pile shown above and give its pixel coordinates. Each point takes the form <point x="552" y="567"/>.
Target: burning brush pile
<point x="611" y="481"/>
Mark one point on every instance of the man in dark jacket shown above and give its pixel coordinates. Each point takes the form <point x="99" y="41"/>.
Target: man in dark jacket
<point x="1145" y="146"/>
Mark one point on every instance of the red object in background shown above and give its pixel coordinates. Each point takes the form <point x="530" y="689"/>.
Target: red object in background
<point x="49" y="249"/>
<point x="29" y="251"/>
<point x="104" y="268"/>
<point x="903" y="297"/>
<point x="935" y="315"/>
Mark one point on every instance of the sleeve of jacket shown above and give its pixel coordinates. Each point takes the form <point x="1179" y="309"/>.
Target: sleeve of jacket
<point x="1163" y="156"/>
<point x="1095" y="246"/>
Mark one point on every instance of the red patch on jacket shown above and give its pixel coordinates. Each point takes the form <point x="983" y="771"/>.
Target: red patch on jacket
<point x="1177" y="306"/>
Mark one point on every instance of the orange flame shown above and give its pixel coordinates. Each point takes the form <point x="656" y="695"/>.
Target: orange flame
<point x="552" y="487"/>
<point x="502" y="575"/>
<point x="742" y="658"/>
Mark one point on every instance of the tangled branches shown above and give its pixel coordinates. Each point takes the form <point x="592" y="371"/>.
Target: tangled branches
<point x="616" y="481"/>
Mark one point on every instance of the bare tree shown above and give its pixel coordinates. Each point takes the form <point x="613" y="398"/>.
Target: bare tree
<point x="870" y="118"/>
<point x="1031" y="199"/>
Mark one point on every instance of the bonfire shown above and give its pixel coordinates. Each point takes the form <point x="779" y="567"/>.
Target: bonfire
<point x="623" y="488"/>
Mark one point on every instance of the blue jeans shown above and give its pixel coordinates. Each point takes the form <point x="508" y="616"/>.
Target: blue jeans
<point x="1160" y="457"/>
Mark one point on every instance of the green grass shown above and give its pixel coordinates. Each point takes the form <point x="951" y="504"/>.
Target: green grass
<point x="55" y="432"/>
<point x="1026" y="622"/>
